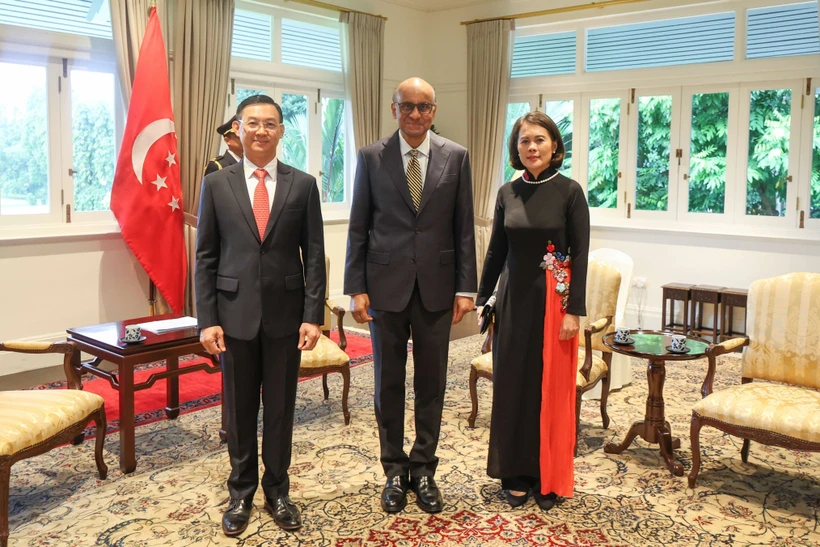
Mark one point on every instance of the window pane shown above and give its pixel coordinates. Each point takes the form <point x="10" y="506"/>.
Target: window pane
<point x="707" y="152"/>
<point x="769" y="131"/>
<point x="815" y="161"/>
<point x="514" y="111"/>
<point x="92" y="130"/>
<point x="604" y="147"/>
<point x="242" y="94"/>
<point x="24" y="188"/>
<point x="654" y="133"/>
<point x="561" y="114"/>
<point x="252" y="35"/>
<point x="295" y="140"/>
<point x="333" y="150"/>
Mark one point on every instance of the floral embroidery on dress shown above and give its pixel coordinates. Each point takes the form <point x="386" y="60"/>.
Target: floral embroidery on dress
<point x="558" y="264"/>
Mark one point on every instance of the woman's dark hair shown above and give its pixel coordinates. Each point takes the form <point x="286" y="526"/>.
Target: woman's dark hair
<point x="536" y="118"/>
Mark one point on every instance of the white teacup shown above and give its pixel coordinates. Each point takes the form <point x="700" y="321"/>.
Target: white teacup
<point x="622" y="334"/>
<point x="132" y="333"/>
<point x="678" y="343"/>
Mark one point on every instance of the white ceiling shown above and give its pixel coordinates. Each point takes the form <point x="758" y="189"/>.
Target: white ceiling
<point x="438" y="5"/>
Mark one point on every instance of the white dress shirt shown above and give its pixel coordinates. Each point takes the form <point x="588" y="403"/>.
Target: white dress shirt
<point x="270" y="179"/>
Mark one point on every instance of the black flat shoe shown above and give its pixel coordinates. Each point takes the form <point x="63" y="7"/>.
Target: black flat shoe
<point x="546" y="502"/>
<point x="394" y="494"/>
<point x="285" y="513"/>
<point x="428" y="496"/>
<point x="235" y="518"/>
<point x="516" y="501"/>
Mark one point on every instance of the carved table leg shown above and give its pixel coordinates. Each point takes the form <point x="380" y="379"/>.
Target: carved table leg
<point x="636" y="429"/>
<point x="172" y="389"/>
<point x="128" y="458"/>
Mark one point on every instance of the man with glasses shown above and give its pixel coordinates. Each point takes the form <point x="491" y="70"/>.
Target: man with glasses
<point x="232" y="154"/>
<point x="411" y="269"/>
<point x="260" y="287"/>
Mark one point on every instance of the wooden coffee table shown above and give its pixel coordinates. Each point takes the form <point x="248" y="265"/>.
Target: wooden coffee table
<point x="651" y="345"/>
<point x="103" y="342"/>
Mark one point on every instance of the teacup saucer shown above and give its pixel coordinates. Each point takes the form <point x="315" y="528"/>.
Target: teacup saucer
<point x="129" y="342"/>
<point x="684" y="350"/>
<point x="627" y="342"/>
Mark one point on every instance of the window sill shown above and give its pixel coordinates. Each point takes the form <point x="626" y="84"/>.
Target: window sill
<point x="725" y="231"/>
<point x="50" y="232"/>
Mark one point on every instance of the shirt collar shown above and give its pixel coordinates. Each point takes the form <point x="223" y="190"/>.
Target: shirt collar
<point x="423" y="148"/>
<point x="250" y="168"/>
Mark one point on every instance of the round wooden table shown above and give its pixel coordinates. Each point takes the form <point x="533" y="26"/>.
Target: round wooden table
<point x="651" y="345"/>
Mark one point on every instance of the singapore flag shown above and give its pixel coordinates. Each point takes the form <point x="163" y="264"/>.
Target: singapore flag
<point x="147" y="195"/>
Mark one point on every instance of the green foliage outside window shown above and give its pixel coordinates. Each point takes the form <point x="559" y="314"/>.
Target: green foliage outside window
<point x="604" y="148"/>
<point x="514" y="111"/>
<point x="814" y="210"/>
<point x="561" y="114"/>
<point x="654" y="134"/>
<point x="24" y="154"/>
<point x="94" y="155"/>
<point x="333" y="150"/>
<point x="769" y="131"/>
<point x="295" y="140"/>
<point x="707" y="152"/>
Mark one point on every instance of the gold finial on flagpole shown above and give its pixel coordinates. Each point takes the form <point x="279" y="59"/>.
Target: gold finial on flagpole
<point x="152" y="3"/>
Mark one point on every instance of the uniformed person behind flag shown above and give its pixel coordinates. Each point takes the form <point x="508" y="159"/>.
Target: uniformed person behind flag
<point x="234" y="152"/>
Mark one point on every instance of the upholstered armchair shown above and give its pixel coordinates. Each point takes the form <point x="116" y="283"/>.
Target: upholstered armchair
<point x="328" y="356"/>
<point x="603" y="282"/>
<point x="33" y="422"/>
<point x="783" y="346"/>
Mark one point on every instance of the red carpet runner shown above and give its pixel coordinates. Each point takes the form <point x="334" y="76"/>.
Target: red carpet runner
<point x="197" y="391"/>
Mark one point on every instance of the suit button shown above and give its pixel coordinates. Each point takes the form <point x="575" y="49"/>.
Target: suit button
<point x="413" y="260"/>
<point x="262" y="252"/>
<point x="418" y="231"/>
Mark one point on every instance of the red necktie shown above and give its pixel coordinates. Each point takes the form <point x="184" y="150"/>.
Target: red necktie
<point x="261" y="207"/>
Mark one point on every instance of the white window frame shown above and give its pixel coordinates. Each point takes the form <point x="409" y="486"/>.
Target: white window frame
<point x="576" y="118"/>
<point x="632" y="157"/>
<point x="532" y="100"/>
<point x="730" y="187"/>
<point x="54" y="51"/>
<point x="742" y="160"/>
<point x="620" y="209"/>
<point x="808" y="101"/>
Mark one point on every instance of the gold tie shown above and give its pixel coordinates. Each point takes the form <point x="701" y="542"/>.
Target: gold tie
<point x="414" y="178"/>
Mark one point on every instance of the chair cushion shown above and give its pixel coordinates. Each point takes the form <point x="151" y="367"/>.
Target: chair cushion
<point x="325" y="354"/>
<point x="32" y="416"/>
<point x="484" y="363"/>
<point x="788" y="410"/>
<point x="598" y="368"/>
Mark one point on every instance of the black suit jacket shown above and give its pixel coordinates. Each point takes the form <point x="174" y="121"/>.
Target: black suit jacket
<point x="390" y="246"/>
<point x="219" y="162"/>
<point x="242" y="282"/>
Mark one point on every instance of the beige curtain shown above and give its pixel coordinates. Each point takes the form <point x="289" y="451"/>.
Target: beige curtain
<point x="202" y="55"/>
<point x="128" y="21"/>
<point x="489" y="56"/>
<point x="363" y="65"/>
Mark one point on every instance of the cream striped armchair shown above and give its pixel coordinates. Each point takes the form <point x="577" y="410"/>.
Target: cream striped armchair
<point x="783" y="350"/>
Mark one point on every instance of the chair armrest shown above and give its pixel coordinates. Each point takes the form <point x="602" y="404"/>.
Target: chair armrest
<point x="487" y="346"/>
<point x="339" y="312"/>
<point x="712" y="352"/>
<point x="593" y="328"/>
<point x="37" y="347"/>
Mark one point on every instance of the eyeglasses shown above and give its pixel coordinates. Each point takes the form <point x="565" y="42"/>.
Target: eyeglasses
<point x="407" y="108"/>
<point x="254" y="125"/>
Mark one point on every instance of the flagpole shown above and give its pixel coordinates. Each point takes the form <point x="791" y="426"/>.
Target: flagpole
<point x="152" y="298"/>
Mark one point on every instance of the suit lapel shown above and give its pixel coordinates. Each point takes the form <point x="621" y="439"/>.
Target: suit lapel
<point x="284" y="182"/>
<point x="391" y="159"/>
<point x="435" y="167"/>
<point x="236" y="179"/>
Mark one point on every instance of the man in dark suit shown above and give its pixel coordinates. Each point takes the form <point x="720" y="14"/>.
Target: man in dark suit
<point x="411" y="268"/>
<point x="232" y="154"/>
<point x="260" y="286"/>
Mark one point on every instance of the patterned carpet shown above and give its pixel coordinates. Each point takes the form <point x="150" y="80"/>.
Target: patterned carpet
<point x="178" y="491"/>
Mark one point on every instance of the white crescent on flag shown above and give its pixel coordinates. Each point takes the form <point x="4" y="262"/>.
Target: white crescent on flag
<point x="148" y="136"/>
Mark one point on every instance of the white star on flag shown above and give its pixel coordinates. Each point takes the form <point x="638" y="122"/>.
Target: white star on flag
<point x="170" y="159"/>
<point x="174" y="205"/>
<point x="160" y="182"/>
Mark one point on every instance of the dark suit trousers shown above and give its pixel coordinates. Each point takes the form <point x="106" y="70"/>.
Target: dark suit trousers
<point x="247" y="365"/>
<point x="389" y="333"/>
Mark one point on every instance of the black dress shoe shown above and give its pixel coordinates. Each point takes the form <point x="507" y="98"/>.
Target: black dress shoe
<point x="394" y="495"/>
<point x="428" y="496"/>
<point x="285" y="513"/>
<point x="516" y="501"/>
<point x="546" y="502"/>
<point x="235" y="518"/>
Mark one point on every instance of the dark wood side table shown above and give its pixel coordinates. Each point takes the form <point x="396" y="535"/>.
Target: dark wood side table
<point x="706" y="294"/>
<point x="675" y="292"/>
<point x="651" y="345"/>
<point x="729" y="300"/>
<point x="103" y="342"/>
